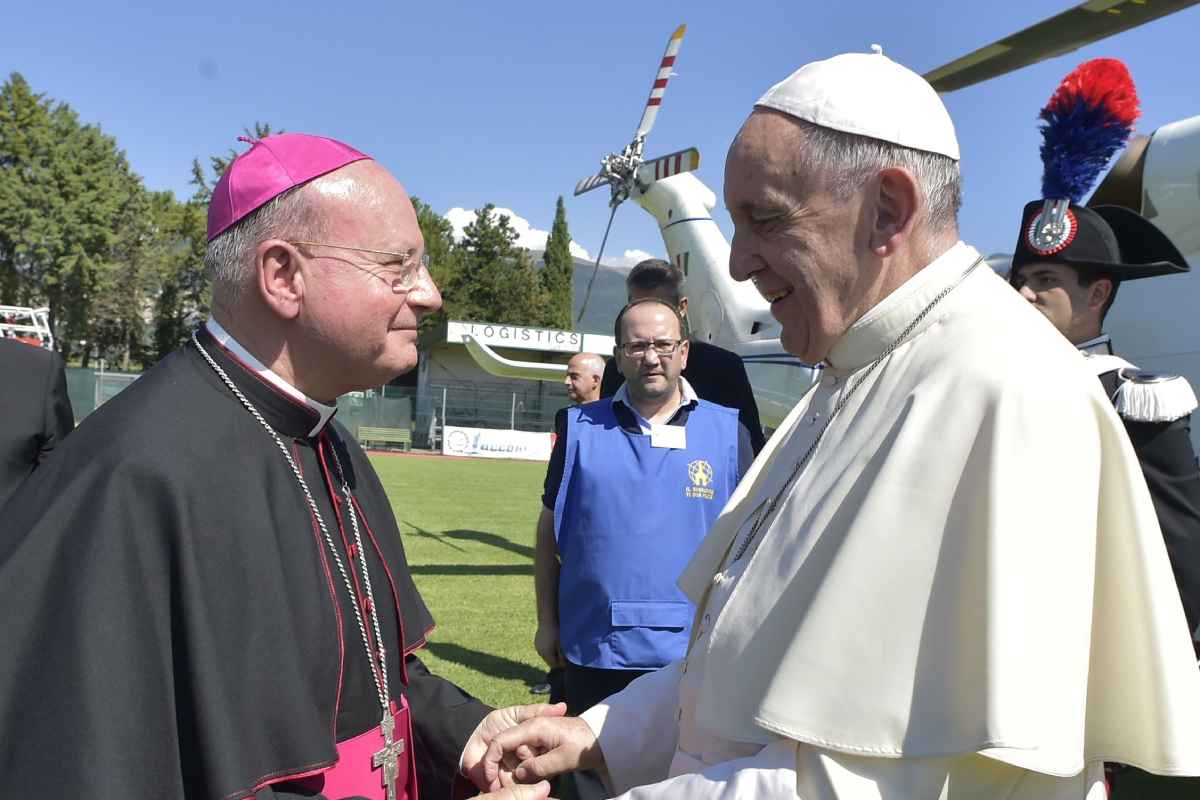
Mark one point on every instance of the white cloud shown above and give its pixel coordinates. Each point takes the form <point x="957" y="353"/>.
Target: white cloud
<point x="532" y="238"/>
<point x="630" y="259"/>
<point x="528" y="236"/>
<point x="459" y="219"/>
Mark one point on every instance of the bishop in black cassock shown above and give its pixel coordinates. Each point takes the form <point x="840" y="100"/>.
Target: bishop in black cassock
<point x="170" y="616"/>
<point x="189" y="612"/>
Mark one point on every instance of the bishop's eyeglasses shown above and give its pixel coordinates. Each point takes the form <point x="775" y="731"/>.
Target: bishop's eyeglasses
<point x="401" y="278"/>
<point x="664" y="348"/>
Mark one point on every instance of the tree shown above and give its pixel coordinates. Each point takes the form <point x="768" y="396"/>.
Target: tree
<point x="443" y="258"/>
<point x="25" y="136"/>
<point x="123" y="295"/>
<point x="498" y="282"/>
<point x="558" y="274"/>
<point x="62" y="186"/>
<point x="182" y="299"/>
<point x="185" y="295"/>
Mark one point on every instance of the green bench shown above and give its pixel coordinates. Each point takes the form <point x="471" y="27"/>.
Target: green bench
<point x="387" y="436"/>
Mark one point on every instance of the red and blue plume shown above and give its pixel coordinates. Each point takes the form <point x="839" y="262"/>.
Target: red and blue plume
<point x="1088" y="119"/>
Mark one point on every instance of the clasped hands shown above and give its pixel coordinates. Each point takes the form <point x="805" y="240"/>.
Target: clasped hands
<point x="527" y="744"/>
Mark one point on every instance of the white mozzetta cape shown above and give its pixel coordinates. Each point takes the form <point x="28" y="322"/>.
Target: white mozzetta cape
<point x="969" y="563"/>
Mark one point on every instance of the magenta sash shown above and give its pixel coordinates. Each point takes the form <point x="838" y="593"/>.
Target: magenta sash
<point x="355" y="773"/>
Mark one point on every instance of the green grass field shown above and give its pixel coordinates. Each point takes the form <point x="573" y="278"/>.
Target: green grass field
<point x="468" y="529"/>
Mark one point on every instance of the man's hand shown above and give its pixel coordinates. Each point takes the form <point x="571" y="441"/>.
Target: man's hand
<point x="538" y="791"/>
<point x="544" y="747"/>
<point x="499" y="720"/>
<point x="547" y="643"/>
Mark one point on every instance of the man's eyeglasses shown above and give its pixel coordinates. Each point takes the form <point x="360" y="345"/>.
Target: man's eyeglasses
<point x="665" y="348"/>
<point x="405" y="277"/>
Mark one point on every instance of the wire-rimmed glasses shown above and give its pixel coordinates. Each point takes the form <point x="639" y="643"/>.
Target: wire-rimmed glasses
<point x="663" y="348"/>
<point x="405" y="275"/>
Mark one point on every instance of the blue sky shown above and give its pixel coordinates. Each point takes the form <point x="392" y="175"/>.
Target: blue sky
<point x="469" y="103"/>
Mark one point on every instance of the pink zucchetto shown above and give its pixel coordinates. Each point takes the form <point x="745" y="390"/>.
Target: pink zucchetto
<point x="268" y="169"/>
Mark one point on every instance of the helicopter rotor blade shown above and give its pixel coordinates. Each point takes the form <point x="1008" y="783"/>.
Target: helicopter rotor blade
<point x="587" y="184"/>
<point x="1085" y="23"/>
<point x="670" y="164"/>
<point x="595" y="269"/>
<point x="660" y="83"/>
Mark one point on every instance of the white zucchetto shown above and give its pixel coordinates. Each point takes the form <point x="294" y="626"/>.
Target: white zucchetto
<point x="870" y="95"/>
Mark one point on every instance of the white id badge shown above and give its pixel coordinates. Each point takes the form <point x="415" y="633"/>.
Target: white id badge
<point x="673" y="437"/>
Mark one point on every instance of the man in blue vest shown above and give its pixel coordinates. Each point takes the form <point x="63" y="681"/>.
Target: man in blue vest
<point x="633" y="485"/>
<point x="716" y="374"/>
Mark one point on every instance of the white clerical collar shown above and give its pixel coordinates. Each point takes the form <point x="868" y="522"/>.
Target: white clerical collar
<point x="1100" y="346"/>
<point x="686" y="396"/>
<point x="227" y="341"/>
<point x="875" y="330"/>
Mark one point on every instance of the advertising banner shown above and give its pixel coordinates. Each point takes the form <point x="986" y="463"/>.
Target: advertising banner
<point x="492" y="443"/>
<point x="517" y="336"/>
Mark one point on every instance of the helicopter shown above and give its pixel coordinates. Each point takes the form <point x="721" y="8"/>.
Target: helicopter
<point x="1156" y="176"/>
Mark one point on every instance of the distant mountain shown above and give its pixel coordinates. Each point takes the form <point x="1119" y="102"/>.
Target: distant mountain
<point x="608" y="294"/>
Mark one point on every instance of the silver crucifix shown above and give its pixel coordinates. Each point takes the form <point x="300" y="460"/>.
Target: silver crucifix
<point x="388" y="757"/>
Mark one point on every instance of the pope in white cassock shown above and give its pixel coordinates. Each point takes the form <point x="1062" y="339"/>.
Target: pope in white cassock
<point x="885" y="607"/>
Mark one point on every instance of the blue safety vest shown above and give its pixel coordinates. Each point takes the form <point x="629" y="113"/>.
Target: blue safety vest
<point x="627" y="519"/>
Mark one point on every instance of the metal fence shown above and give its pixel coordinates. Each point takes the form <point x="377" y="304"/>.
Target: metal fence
<point x="512" y="405"/>
<point x="484" y="404"/>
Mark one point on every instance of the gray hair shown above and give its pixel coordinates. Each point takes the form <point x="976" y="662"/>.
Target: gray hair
<point x="229" y="258"/>
<point x="852" y="160"/>
<point x="294" y="215"/>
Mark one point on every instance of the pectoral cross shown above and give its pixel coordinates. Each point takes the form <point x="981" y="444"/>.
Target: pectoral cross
<point x="389" y="755"/>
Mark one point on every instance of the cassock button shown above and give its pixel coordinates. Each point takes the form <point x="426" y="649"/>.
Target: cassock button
<point x="353" y="550"/>
<point x="366" y="605"/>
<point x="703" y="626"/>
<point x="829" y="381"/>
<point x="812" y="418"/>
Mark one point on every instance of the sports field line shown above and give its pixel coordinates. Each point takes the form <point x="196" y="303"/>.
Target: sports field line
<point x="456" y="458"/>
<point x="422" y="455"/>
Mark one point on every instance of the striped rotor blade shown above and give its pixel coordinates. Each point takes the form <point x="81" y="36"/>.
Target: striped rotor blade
<point x="587" y="184"/>
<point x="668" y="165"/>
<point x="660" y="83"/>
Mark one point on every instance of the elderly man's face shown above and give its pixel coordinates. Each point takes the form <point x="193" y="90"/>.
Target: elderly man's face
<point x="364" y="329"/>
<point x="798" y="242"/>
<point x="582" y="381"/>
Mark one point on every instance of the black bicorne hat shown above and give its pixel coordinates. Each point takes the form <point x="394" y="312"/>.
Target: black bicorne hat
<point x="1089" y="118"/>
<point x="1112" y="241"/>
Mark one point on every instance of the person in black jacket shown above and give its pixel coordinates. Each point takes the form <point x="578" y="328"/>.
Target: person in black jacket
<point x="35" y="412"/>
<point x="716" y="374"/>
<point x="1073" y="283"/>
